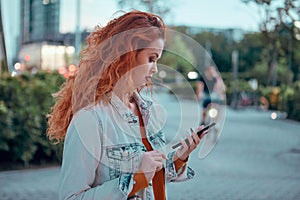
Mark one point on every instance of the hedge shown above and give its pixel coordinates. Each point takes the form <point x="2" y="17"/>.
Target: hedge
<point x="24" y="102"/>
<point x="287" y="100"/>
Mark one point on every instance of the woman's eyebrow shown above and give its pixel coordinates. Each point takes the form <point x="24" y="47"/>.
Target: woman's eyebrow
<point x="154" y="53"/>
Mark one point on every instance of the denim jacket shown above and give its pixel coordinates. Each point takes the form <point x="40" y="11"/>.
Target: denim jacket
<point x="103" y="149"/>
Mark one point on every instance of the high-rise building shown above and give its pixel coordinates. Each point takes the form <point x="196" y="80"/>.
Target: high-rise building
<point x="3" y="58"/>
<point x="10" y="14"/>
<point x="40" y="20"/>
<point x="42" y="45"/>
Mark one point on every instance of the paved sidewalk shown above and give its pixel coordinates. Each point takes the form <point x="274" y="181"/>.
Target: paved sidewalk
<point x="32" y="184"/>
<point x="256" y="159"/>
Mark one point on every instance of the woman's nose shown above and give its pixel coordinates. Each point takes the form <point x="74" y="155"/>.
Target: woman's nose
<point x="154" y="69"/>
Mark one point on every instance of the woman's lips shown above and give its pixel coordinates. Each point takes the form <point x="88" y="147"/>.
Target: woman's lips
<point x="148" y="78"/>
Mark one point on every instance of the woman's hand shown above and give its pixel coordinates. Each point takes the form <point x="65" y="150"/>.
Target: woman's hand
<point x="193" y="140"/>
<point x="151" y="162"/>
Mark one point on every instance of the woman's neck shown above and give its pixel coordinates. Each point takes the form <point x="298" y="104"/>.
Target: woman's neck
<point x="134" y="108"/>
<point x="124" y="96"/>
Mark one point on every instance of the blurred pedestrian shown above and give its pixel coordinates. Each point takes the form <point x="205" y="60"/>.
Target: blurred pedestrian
<point x="209" y="88"/>
<point x="112" y="132"/>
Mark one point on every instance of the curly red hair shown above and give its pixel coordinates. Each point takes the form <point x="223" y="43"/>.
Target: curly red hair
<point x="110" y="52"/>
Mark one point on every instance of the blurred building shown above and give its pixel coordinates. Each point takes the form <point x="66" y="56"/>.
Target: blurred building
<point x="43" y="46"/>
<point x="40" y="20"/>
<point x="33" y="39"/>
<point x="41" y="43"/>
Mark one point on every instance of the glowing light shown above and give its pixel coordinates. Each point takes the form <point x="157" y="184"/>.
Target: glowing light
<point x="162" y="74"/>
<point x="70" y="50"/>
<point x="192" y="75"/>
<point x="297" y="24"/>
<point x="26" y="57"/>
<point x="14" y="73"/>
<point x="45" y="2"/>
<point x="273" y="115"/>
<point x="213" y="112"/>
<point x="17" y="66"/>
<point x="72" y="68"/>
<point x="62" y="70"/>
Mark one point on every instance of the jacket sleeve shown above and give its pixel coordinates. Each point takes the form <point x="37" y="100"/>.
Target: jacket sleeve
<point x="173" y="175"/>
<point x="81" y="158"/>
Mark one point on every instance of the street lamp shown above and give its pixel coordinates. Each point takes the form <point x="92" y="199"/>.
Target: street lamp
<point x="77" y="32"/>
<point x="192" y="75"/>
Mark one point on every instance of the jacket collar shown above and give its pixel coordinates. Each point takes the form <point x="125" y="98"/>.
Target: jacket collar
<point x="125" y="113"/>
<point x="144" y="106"/>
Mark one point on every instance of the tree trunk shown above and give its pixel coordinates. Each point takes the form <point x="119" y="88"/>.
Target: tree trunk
<point x="274" y="67"/>
<point x="273" y="64"/>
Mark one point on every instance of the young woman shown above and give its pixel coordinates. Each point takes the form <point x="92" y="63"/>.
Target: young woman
<point x="112" y="134"/>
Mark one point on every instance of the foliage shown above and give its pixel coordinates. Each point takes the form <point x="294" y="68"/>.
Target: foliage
<point x="255" y="56"/>
<point x="260" y="70"/>
<point x="287" y="96"/>
<point x="3" y="66"/>
<point x="24" y="102"/>
<point x="280" y="32"/>
<point x="221" y="49"/>
<point x="250" y="51"/>
<point x="293" y="102"/>
<point x="178" y="56"/>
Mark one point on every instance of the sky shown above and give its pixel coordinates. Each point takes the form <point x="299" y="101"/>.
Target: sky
<point x="202" y="13"/>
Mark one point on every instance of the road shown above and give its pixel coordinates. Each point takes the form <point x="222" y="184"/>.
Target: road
<point x="256" y="158"/>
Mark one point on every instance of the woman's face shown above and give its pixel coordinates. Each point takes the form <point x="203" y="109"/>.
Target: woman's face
<point x="147" y="63"/>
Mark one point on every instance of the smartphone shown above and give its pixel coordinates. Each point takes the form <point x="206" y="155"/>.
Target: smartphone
<point x="199" y="133"/>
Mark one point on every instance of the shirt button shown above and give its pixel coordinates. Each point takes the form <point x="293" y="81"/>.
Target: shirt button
<point x="125" y="153"/>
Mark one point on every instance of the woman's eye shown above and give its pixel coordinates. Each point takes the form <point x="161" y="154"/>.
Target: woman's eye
<point x="151" y="59"/>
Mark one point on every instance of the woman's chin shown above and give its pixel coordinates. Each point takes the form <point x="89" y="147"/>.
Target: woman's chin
<point x="141" y="86"/>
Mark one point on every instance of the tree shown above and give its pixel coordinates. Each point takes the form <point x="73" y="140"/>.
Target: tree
<point x="178" y="55"/>
<point x="276" y="19"/>
<point x="250" y="51"/>
<point x="159" y="7"/>
<point x="221" y="49"/>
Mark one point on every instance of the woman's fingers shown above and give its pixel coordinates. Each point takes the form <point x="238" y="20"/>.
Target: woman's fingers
<point x="157" y="158"/>
<point x="151" y="162"/>
<point x="190" y="143"/>
<point x="193" y="140"/>
<point x="185" y="144"/>
<point x="200" y="128"/>
<point x="164" y="156"/>
<point x="158" y="155"/>
<point x="196" y="138"/>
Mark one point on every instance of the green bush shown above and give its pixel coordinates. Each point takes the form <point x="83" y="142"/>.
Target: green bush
<point x="24" y="102"/>
<point x="288" y="97"/>
<point x="292" y="101"/>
